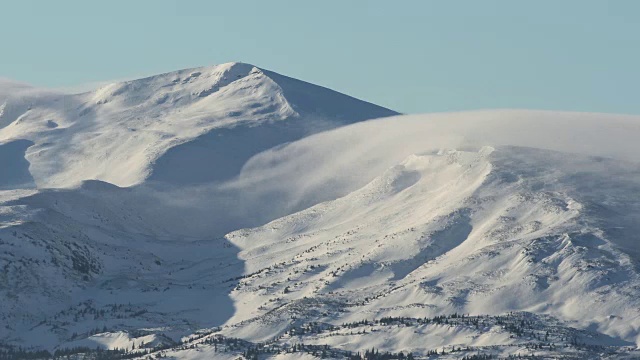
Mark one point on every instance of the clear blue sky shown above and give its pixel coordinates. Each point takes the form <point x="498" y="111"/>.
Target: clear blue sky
<point x="412" y="56"/>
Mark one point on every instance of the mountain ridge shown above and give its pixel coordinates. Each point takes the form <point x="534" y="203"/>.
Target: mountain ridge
<point x="151" y="115"/>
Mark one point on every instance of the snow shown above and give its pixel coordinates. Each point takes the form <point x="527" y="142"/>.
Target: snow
<point x="236" y="201"/>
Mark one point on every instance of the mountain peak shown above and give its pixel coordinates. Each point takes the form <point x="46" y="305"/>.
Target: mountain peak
<point x="150" y="116"/>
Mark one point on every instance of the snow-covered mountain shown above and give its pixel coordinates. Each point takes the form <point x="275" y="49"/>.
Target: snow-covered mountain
<point x="200" y="214"/>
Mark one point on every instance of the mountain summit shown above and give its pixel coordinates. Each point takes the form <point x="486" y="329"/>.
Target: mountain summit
<point x="118" y="132"/>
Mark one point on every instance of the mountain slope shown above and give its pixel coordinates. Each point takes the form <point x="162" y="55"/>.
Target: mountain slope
<point x="457" y="232"/>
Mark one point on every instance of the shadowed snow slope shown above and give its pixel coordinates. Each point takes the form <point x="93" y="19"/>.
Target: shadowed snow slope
<point x="205" y="216"/>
